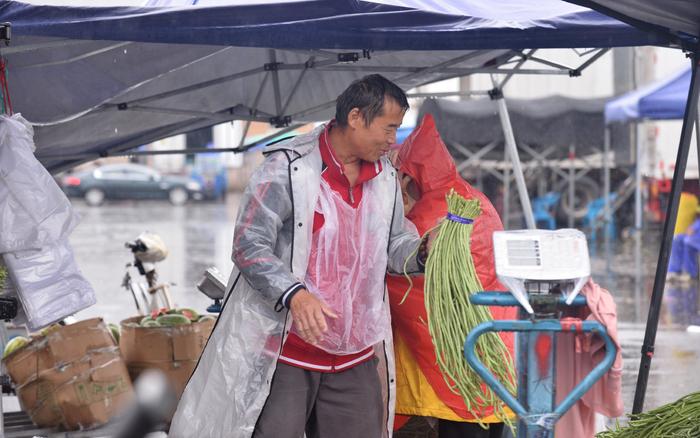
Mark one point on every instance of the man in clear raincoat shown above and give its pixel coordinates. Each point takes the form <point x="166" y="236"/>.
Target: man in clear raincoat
<point x="303" y="344"/>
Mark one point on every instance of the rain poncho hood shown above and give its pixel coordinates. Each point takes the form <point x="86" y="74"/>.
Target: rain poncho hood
<point x="425" y="158"/>
<point x="421" y="388"/>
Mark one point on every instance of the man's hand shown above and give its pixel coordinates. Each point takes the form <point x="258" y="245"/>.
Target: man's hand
<point x="426" y="245"/>
<point x="309" y="315"/>
<point x="431" y="239"/>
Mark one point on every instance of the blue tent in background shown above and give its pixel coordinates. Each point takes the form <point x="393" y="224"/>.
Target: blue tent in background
<point x="662" y="100"/>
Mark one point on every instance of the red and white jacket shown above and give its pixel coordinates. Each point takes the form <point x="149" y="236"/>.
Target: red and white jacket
<point x="297" y="352"/>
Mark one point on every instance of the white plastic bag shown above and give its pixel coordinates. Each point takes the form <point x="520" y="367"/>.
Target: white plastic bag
<point x="347" y="269"/>
<point x="156" y="251"/>
<point x="33" y="209"/>
<point x="48" y="283"/>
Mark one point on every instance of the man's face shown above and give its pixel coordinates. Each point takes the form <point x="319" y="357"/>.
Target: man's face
<point x="373" y="141"/>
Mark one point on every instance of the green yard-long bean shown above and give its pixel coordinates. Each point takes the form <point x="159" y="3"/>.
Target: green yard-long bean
<point x="674" y="420"/>
<point x="450" y="279"/>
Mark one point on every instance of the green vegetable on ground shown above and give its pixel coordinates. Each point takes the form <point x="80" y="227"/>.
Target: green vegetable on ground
<point x="674" y="420"/>
<point x="450" y="279"/>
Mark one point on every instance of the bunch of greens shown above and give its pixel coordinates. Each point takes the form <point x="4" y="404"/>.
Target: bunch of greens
<point x="674" y="420"/>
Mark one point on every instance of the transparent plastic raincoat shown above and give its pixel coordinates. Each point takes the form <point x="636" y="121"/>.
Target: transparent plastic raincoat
<point x="272" y="240"/>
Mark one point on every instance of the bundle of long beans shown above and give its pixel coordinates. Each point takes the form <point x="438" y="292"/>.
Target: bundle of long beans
<point x="450" y="279"/>
<point x="674" y="420"/>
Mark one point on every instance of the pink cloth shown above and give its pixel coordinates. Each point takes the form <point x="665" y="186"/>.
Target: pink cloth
<point x="577" y="355"/>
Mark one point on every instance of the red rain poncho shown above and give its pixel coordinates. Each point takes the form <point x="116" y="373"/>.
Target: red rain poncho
<point x="424" y="157"/>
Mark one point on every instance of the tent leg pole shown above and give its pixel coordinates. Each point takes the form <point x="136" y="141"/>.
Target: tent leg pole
<point x="515" y="160"/>
<point x="697" y="132"/>
<point x="506" y="194"/>
<point x="638" y="221"/>
<point x="606" y="194"/>
<point x="572" y="190"/>
<point x="669" y="225"/>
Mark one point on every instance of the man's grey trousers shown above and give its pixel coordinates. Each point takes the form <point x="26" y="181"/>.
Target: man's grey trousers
<point x="347" y="404"/>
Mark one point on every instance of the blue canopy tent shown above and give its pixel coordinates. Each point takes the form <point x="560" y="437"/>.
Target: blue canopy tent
<point x="121" y="77"/>
<point x="115" y="78"/>
<point x="662" y="100"/>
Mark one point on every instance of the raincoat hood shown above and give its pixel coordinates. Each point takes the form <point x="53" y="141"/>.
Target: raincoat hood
<point x="424" y="156"/>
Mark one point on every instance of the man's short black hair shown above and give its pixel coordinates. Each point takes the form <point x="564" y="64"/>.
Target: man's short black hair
<point x="368" y="94"/>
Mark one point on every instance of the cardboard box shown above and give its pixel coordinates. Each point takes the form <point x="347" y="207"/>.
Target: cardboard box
<point x="74" y="377"/>
<point x="175" y="350"/>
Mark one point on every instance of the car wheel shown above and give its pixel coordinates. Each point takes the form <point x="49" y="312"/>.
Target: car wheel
<point x="94" y="197"/>
<point x="177" y="196"/>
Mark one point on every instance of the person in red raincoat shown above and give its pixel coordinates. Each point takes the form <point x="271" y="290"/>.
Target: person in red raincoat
<point x="427" y="174"/>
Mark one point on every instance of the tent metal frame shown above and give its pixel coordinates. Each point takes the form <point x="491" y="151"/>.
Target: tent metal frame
<point x="326" y="60"/>
<point x="348" y="61"/>
<point x="558" y="169"/>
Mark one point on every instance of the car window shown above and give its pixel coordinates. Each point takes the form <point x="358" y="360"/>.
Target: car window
<point x="134" y="174"/>
<point x="126" y="173"/>
<point x="109" y="174"/>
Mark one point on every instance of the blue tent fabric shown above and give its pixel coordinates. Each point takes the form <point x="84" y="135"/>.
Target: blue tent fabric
<point x="351" y="24"/>
<point x="661" y="100"/>
<point x="100" y="80"/>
